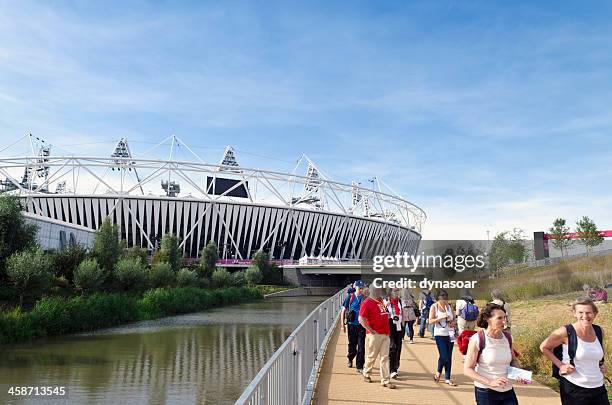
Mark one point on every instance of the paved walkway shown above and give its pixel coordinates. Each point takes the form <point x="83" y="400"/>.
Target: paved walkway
<point x="339" y="384"/>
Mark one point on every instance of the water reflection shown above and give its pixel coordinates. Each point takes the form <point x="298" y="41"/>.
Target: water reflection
<point x="207" y="357"/>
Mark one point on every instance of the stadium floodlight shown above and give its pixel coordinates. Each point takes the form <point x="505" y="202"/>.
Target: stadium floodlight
<point x="228" y="162"/>
<point x="172" y="188"/>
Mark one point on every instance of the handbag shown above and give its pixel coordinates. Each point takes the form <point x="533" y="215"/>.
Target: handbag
<point x="417" y="312"/>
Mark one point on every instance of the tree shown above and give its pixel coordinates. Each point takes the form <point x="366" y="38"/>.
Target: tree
<point x="517" y="252"/>
<point x="170" y="251"/>
<point x="88" y="276"/>
<point x="15" y="233"/>
<point x="106" y="248"/>
<point x="28" y="272"/>
<point x="64" y="262"/>
<point x="588" y="234"/>
<point x="507" y="249"/>
<point x="208" y="261"/>
<point x="558" y="235"/>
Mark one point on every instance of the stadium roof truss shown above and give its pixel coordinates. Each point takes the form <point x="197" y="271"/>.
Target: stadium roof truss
<point x="123" y="176"/>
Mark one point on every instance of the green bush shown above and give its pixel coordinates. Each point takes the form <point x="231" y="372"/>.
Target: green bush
<point x="162" y="275"/>
<point x="221" y="278"/>
<point x="131" y="274"/>
<point x="106" y="247"/>
<point x="89" y="276"/>
<point x="65" y="262"/>
<point x="55" y="315"/>
<point x="239" y="279"/>
<point x="186" y="278"/>
<point x="253" y="275"/>
<point x="136" y="252"/>
<point x="169" y="301"/>
<point x="28" y="272"/>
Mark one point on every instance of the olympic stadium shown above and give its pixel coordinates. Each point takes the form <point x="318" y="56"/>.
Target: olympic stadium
<point x="301" y="213"/>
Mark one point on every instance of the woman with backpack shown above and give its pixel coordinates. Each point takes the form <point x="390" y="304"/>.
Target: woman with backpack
<point x="442" y="318"/>
<point x="489" y="354"/>
<point x="576" y="351"/>
<point x="410" y="313"/>
<point x="467" y="312"/>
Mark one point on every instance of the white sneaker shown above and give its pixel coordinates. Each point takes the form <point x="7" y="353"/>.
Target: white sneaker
<point x="411" y="342"/>
<point x="393" y="375"/>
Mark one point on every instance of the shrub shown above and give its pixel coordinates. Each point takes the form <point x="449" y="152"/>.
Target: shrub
<point x="136" y="252"/>
<point x="89" y="277"/>
<point x="170" y="251"/>
<point x="106" y="247"/>
<point x="162" y="275"/>
<point x="221" y="278"/>
<point x="253" y="275"/>
<point x="239" y="279"/>
<point x="54" y="315"/>
<point x="15" y="233"/>
<point x="64" y="262"/>
<point x="187" y="278"/>
<point x="131" y="274"/>
<point x="28" y="272"/>
<point x="208" y="261"/>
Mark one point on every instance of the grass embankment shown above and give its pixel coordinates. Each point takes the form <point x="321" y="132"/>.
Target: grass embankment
<point x="533" y="320"/>
<point x="564" y="277"/>
<point x="57" y="316"/>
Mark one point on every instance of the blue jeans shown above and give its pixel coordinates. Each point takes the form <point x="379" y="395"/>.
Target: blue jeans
<point x="423" y="322"/>
<point x="487" y="396"/>
<point x="445" y="350"/>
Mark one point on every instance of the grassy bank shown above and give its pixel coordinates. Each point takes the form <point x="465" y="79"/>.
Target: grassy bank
<point x="56" y="316"/>
<point x="534" y="320"/>
<point x="560" y="278"/>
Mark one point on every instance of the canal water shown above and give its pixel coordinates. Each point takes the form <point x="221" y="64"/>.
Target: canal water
<point x="200" y="358"/>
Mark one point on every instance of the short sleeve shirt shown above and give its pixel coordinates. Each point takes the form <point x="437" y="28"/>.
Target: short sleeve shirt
<point x="375" y="313"/>
<point x="354" y="305"/>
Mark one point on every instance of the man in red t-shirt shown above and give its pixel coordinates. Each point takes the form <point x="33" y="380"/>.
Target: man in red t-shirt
<point x="374" y="317"/>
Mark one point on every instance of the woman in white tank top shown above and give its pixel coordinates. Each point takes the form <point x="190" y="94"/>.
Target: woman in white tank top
<point x="583" y="382"/>
<point x="489" y="367"/>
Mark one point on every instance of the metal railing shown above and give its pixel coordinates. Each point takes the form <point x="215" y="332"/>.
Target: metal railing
<point x="288" y="376"/>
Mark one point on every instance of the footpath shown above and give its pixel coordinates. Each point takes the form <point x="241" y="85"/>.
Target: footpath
<point x="338" y="384"/>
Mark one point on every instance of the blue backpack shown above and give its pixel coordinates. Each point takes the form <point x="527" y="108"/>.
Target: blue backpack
<point x="470" y="311"/>
<point x="428" y="301"/>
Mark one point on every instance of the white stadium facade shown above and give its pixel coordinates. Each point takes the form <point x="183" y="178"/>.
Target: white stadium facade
<point x="288" y="215"/>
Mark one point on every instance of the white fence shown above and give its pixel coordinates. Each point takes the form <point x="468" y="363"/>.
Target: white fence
<point x="290" y="374"/>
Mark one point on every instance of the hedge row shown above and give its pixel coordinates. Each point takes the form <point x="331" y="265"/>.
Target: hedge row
<point x="57" y="316"/>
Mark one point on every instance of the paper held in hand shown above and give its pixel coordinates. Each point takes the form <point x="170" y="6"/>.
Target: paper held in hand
<point x="515" y="373"/>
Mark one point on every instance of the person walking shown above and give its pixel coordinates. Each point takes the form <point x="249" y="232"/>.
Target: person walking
<point x="441" y="316"/>
<point x="498" y="299"/>
<point x="489" y="355"/>
<point x="396" y="331"/>
<point x="410" y="313"/>
<point x="425" y="303"/>
<point x="467" y="312"/>
<point x="374" y="317"/>
<point x="356" y="332"/>
<point x="577" y="353"/>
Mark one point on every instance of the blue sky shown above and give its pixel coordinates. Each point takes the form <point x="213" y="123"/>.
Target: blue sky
<point x="489" y="116"/>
